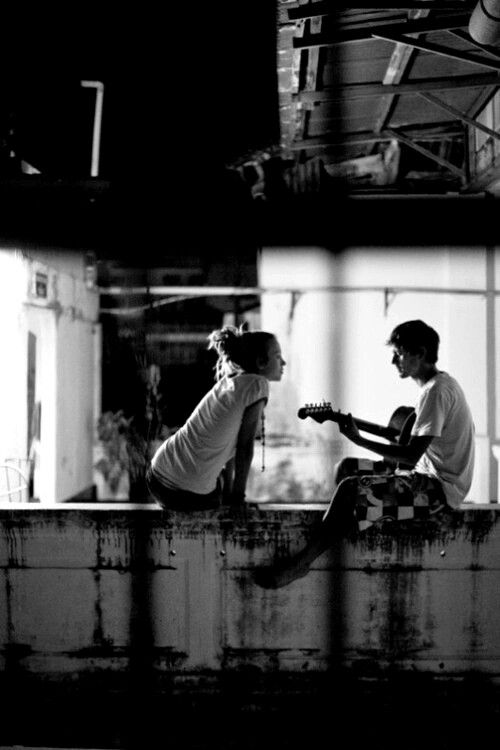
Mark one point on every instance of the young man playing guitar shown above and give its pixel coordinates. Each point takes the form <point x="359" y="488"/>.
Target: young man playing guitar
<point x="419" y="478"/>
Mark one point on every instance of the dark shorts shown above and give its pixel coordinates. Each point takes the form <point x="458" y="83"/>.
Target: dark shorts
<point x="182" y="499"/>
<point x="393" y="496"/>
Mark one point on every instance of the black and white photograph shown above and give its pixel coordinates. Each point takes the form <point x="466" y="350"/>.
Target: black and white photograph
<point x="250" y="400"/>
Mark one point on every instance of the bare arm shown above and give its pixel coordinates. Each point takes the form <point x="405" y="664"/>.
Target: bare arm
<point x="228" y="477"/>
<point x="408" y="454"/>
<point x="245" y="447"/>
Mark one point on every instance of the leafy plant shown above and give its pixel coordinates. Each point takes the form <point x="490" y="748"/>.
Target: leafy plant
<point x="124" y="449"/>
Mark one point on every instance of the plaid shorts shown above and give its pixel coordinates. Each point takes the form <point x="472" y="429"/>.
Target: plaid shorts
<point x="399" y="496"/>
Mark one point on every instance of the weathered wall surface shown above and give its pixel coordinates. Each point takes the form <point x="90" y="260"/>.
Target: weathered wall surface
<point x="84" y="591"/>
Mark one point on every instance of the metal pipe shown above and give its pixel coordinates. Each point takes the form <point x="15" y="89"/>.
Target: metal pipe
<point x="231" y="291"/>
<point x="96" y="138"/>
<point x="484" y="24"/>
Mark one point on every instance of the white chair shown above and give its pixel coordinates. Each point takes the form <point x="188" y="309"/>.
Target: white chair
<point x="14" y="485"/>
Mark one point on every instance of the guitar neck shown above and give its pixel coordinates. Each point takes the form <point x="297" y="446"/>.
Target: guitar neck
<point x="393" y="431"/>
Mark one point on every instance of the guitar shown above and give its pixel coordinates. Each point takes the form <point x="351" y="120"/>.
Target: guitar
<point x="398" y="429"/>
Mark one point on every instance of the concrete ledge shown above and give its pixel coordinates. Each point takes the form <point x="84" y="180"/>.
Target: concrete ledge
<point x="101" y="609"/>
<point x="271" y="505"/>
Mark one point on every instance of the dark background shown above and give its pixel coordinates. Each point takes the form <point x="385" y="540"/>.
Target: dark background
<point x="189" y="87"/>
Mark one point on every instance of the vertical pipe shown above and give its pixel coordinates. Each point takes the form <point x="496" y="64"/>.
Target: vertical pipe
<point x="491" y="369"/>
<point x="96" y="137"/>
<point x="97" y="370"/>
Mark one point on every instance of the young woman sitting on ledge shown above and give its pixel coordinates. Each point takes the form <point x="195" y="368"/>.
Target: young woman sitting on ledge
<point x="210" y="455"/>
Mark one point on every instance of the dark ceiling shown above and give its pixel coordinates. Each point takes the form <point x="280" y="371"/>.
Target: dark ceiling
<point x="185" y="93"/>
<point x="193" y="95"/>
<point x="188" y="87"/>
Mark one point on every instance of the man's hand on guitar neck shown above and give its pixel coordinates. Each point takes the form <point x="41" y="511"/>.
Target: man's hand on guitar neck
<point x="348" y="427"/>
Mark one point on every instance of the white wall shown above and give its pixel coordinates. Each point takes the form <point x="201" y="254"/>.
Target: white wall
<point x="75" y="392"/>
<point x="66" y="381"/>
<point x="42" y="323"/>
<point x="13" y="375"/>
<point x="334" y="341"/>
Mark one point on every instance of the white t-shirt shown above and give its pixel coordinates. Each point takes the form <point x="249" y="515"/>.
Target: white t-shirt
<point x="443" y="412"/>
<point x="194" y="456"/>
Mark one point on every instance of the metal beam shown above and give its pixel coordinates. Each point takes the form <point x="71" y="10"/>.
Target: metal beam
<point x="465" y="37"/>
<point x="210" y="291"/>
<point x="326" y="7"/>
<point x="417" y="26"/>
<point x="313" y="59"/>
<point x="359" y="139"/>
<point x="460" y="115"/>
<point x="421" y="150"/>
<point x="364" y="90"/>
<point x="438" y="49"/>
<point x="193" y="291"/>
<point x="399" y="62"/>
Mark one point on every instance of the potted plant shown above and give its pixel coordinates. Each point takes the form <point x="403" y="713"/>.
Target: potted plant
<point x="121" y="458"/>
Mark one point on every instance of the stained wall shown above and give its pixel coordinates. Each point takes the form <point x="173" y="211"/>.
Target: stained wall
<point x="85" y="591"/>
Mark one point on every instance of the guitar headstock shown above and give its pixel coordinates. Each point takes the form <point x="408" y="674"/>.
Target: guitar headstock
<point x="321" y="412"/>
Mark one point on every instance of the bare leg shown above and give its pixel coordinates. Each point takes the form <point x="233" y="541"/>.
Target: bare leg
<point x="346" y="467"/>
<point x="336" y="523"/>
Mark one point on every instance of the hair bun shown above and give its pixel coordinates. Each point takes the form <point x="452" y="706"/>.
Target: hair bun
<point x="225" y="341"/>
<point x="238" y="349"/>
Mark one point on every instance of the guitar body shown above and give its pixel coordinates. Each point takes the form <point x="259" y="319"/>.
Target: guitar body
<point x="402" y="420"/>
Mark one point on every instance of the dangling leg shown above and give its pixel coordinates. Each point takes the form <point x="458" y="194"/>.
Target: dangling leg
<point x="337" y="522"/>
<point x="360" y="502"/>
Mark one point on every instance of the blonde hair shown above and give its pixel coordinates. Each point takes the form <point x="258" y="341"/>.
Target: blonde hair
<point x="238" y="350"/>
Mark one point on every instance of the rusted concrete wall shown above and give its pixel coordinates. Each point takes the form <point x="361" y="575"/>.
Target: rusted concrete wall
<point x="84" y="591"/>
